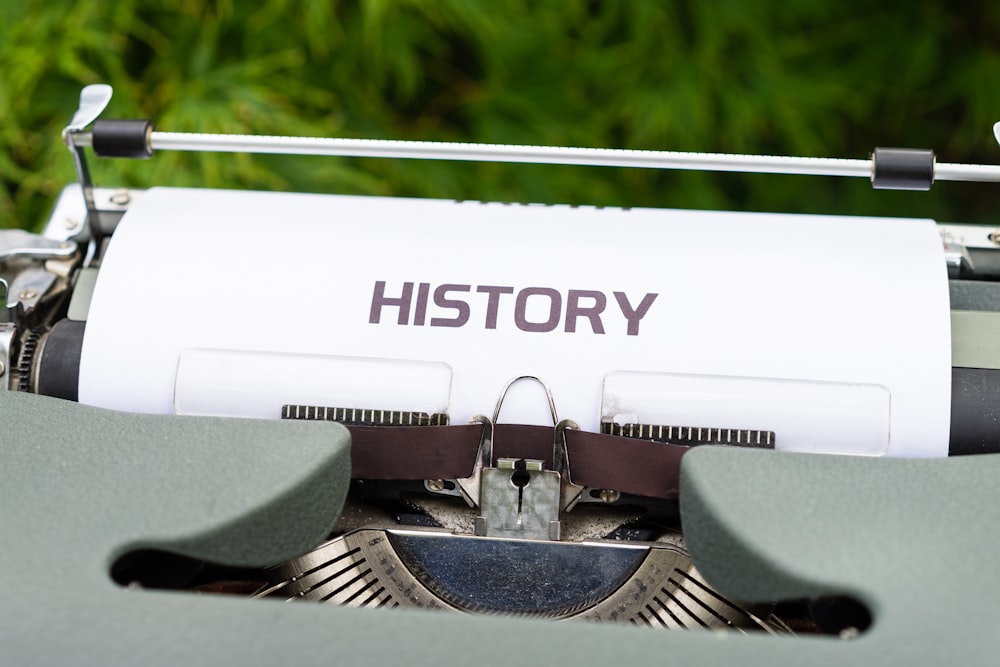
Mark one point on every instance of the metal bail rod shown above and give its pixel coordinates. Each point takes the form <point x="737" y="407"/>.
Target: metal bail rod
<point x="600" y="157"/>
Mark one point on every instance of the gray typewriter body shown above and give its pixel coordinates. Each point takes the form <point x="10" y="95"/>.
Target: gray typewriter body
<point x="167" y="538"/>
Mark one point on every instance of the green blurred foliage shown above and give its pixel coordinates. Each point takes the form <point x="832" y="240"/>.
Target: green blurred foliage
<point x="830" y="78"/>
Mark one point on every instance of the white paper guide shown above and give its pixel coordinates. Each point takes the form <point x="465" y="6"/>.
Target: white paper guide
<point x="496" y="291"/>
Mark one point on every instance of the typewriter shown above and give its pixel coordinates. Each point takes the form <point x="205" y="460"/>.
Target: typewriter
<point x="443" y="431"/>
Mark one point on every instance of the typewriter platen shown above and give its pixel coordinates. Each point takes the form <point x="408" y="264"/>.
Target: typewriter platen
<point x="498" y="433"/>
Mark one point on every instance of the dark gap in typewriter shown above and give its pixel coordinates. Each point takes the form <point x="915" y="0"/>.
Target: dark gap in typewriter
<point x="348" y="577"/>
<point x="162" y="570"/>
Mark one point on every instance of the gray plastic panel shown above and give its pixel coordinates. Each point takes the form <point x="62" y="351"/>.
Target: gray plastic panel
<point x="975" y="294"/>
<point x="916" y="540"/>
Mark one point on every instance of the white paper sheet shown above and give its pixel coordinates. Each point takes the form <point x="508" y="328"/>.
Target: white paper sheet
<point x="851" y="300"/>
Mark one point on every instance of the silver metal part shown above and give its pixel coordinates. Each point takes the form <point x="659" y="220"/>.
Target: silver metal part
<point x="519" y="499"/>
<point x="28" y="288"/>
<point x="470" y="487"/>
<point x="511" y="382"/>
<point x="957" y="259"/>
<point x="69" y="216"/>
<point x="601" y="157"/>
<point x="569" y="493"/>
<point x="93" y="100"/>
<point x="8" y="332"/>
<point x="516" y="498"/>
<point x="648" y="584"/>
<point x="19" y="243"/>
<point x="592" y="521"/>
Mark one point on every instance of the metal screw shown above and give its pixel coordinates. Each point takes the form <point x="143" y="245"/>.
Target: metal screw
<point x="3" y="368"/>
<point x="121" y="198"/>
<point x="27" y="294"/>
<point x="72" y="223"/>
<point x="434" y="484"/>
<point x="608" y="496"/>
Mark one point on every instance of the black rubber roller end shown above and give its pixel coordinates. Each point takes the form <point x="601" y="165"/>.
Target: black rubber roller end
<point x="59" y="366"/>
<point x="123" y="138"/>
<point x="902" y="169"/>
<point x="975" y="411"/>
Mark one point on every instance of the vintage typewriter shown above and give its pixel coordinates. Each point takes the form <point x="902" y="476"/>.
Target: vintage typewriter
<point x="464" y="431"/>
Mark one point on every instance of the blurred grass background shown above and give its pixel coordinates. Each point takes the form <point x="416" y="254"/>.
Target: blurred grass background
<point x="831" y="78"/>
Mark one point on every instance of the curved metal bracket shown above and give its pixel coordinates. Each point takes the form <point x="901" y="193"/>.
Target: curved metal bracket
<point x="94" y="100"/>
<point x="506" y="388"/>
<point x="569" y="493"/>
<point x="470" y="486"/>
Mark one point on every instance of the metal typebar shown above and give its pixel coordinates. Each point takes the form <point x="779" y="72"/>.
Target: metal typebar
<point x="601" y="157"/>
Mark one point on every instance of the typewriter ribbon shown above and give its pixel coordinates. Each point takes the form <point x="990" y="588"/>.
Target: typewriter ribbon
<point x="831" y="333"/>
